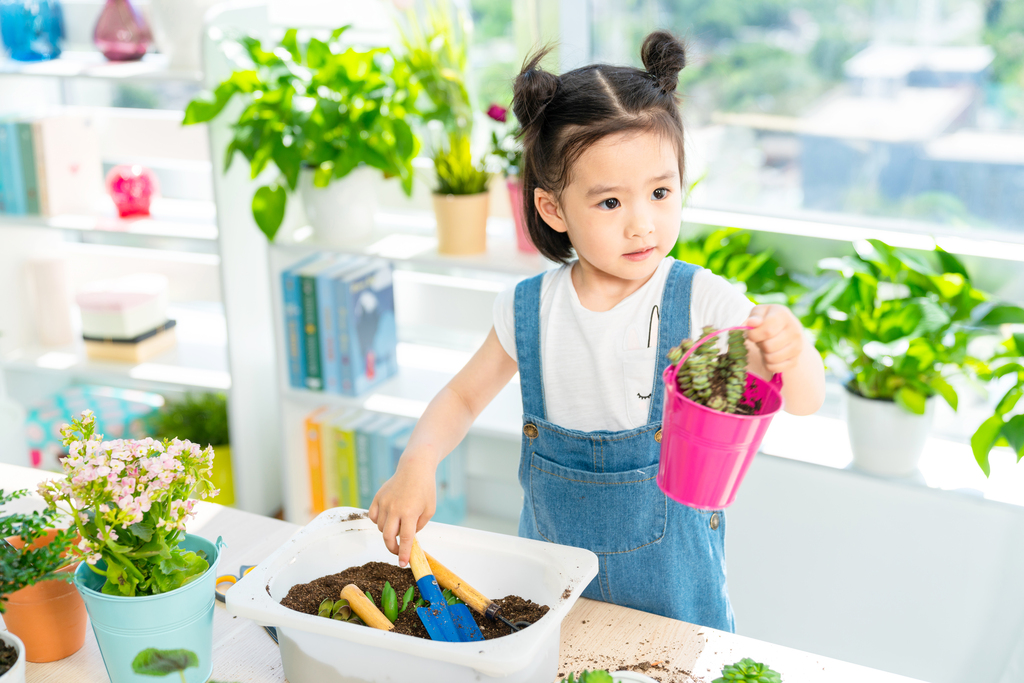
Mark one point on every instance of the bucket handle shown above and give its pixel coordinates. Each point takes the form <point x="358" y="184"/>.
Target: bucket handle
<point x="776" y="378"/>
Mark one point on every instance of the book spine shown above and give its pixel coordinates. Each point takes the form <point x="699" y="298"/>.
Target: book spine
<point x="363" y="468"/>
<point x="41" y="184"/>
<point x="10" y="169"/>
<point x="329" y="463"/>
<point x="329" y="366"/>
<point x="28" y="168"/>
<point x="311" y="335"/>
<point x="294" y="335"/>
<point x="348" y="469"/>
<point x="343" y="323"/>
<point x="313" y="455"/>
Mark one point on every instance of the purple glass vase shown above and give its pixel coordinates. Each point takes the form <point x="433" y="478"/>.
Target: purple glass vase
<point x="121" y="32"/>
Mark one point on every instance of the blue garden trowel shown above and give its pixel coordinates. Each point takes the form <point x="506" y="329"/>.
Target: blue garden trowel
<point x="452" y="623"/>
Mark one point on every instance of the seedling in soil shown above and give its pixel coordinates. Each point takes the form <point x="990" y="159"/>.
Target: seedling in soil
<point x="338" y="610"/>
<point x="451" y="598"/>
<point x="748" y="671"/>
<point x="406" y="598"/>
<point x="599" y="676"/>
<point x="389" y="602"/>
<point x="712" y="379"/>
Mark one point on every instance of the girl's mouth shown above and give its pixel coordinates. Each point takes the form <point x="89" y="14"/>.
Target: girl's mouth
<point x="639" y="255"/>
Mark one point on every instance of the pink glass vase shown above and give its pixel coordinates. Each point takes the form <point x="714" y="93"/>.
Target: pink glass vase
<point x="121" y="32"/>
<point x="132" y="188"/>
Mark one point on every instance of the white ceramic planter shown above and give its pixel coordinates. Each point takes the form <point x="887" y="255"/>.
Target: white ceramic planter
<point x="886" y="439"/>
<point x="341" y="213"/>
<point x="318" y="650"/>
<point x="631" y="677"/>
<point x="177" y="31"/>
<point x="16" y="674"/>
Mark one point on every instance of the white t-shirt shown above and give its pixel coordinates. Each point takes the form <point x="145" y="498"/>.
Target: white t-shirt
<point x="598" y="367"/>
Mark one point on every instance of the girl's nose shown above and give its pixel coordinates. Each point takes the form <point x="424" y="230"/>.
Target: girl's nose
<point x="641" y="224"/>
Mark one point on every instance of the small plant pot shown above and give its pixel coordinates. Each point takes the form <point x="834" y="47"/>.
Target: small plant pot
<point x="49" y="616"/>
<point x="886" y="440"/>
<point x="221" y="475"/>
<point x="341" y="213"/>
<point x="631" y="677"/>
<point x="16" y="674"/>
<point x="461" y="223"/>
<point x="515" y="195"/>
<point x="179" y="619"/>
<point x="705" y="453"/>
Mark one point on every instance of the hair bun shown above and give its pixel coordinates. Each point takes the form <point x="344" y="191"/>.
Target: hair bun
<point x="534" y="88"/>
<point x="664" y="57"/>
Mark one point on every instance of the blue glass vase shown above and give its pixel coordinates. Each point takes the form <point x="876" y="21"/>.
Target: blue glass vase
<point x="32" y="29"/>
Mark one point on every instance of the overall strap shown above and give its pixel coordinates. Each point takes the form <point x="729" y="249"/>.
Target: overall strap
<point x="527" y="317"/>
<point x="673" y="326"/>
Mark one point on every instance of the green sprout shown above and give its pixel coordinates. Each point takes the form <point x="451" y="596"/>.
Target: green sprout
<point x="407" y="597"/>
<point x="598" y="676"/>
<point x="748" y="671"/>
<point x="389" y="602"/>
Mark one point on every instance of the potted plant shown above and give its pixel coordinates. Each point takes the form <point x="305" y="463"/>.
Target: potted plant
<point x="37" y="599"/>
<point x="748" y="671"/>
<point x="714" y="416"/>
<point x="201" y="418"/>
<point x="321" y="112"/>
<point x="901" y="326"/>
<point x="461" y="199"/>
<point x="507" y="154"/>
<point x="143" y="579"/>
<point x="1006" y="425"/>
<point x="12" y="658"/>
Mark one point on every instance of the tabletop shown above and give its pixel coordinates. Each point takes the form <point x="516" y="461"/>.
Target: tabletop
<point x="595" y="635"/>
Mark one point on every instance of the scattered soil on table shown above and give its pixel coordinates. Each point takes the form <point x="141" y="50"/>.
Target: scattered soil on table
<point x="356" y="515"/>
<point x="306" y="598"/>
<point x="8" y="657"/>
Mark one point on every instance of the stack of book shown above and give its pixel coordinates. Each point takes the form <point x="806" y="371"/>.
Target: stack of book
<point x="352" y="452"/>
<point x="126" y="319"/>
<point x="49" y="166"/>
<point x="339" y="316"/>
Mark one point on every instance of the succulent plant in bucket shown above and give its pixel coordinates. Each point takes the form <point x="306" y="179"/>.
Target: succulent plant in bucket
<point x="748" y="671"/>
<point x="712" y="379"/>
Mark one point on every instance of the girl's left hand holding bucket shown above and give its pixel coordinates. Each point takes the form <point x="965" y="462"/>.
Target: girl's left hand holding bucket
<point x="778" y="334"/>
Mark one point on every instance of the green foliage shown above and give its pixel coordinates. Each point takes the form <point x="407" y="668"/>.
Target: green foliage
<point x="407" y="597"/>
<point x="748" y="671"/>
<point x="154" y="662"/>
<point x="900" y="323"/>
<point x="712" y="379"/>
<point x="597" y="676"/>
<point x="451" y="598"/>
<point x="1006" y="425"/>
<point x="389" y="602"/>
<point x="200" y="418"/>
<point x="20" y="568"/>
<point x="457" y="172"/>
<point x="318" y="105"/>
<point x="339" y="610"/>
<point x="726" y="252"/>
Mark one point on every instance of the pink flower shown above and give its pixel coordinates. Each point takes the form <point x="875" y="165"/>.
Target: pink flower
<point x="498" y="113"/>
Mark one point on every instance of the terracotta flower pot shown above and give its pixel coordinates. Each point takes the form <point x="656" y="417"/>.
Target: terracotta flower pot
<point x="49" y="616"/>
<point x="461" y="223"/>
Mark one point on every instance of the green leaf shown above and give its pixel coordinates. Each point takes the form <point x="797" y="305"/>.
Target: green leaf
<point x="984" y="439"/>
<point x="1009" y="400"/>
<point x="407" y="597"/>
<point x="290" y="43"/>
<point x="1000" y="315"/>
<point x="911" y="400"/>
<point x="1013" y="430"/>
<point x="943" y="388"/>
<point x="389" y="602"/>
<point x="154" y="662"/>
<point x="142" y="530"/>
<point x="268" y="209"/>
<point x="326" y="608"/>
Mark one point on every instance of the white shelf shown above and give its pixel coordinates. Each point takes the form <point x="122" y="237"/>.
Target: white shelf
<point x="198" y="360"/>
<point x="92" y="64"/>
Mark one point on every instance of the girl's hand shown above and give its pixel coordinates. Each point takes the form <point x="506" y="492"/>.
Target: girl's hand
<point x="404" y="505"/>
<point x="778" y="335"/>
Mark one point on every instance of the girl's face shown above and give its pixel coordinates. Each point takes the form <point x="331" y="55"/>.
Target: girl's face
<point x="623" y="205"/>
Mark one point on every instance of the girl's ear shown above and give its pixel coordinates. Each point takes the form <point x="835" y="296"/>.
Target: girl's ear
<point x="550" y="212"/>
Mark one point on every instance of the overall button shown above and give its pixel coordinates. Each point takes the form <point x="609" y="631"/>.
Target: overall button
<point x="531" y="431"/>
<point x="715" y="520"/>
<point x="657" y="436"/>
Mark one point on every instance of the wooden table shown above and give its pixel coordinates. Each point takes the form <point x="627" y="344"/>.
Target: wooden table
<point x="595" y="635"/>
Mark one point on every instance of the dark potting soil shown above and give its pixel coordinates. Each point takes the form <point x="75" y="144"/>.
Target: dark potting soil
<point x="306" y="598"/>
<point x="8" y="657"/>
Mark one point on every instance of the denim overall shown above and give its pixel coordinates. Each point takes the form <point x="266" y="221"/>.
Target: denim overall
<point x="597" y="490"/>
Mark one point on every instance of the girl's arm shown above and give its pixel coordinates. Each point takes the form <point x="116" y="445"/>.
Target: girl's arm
<point x="783" y="346"/>
<point x="406" y="501"/>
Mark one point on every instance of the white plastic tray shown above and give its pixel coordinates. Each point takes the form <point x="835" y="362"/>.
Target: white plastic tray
<point x="319" y="650"/>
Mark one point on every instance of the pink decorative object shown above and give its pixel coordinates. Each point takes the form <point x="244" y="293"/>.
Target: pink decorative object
<point x="121" y="32"/>
<point x="131" y="188"/>
<point x="498" y="113"/>
<point x="515" y="196"/>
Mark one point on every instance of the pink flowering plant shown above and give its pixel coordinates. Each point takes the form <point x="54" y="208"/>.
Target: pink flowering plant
<point x="506" y="149"/>
<point x="130" y="500"/>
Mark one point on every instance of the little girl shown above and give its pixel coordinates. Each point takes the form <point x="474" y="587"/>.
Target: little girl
<point x="602" y="179"/>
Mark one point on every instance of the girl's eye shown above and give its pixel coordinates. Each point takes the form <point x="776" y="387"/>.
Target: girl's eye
<point x="660" y="193"/>
<point x="612" y="203"/>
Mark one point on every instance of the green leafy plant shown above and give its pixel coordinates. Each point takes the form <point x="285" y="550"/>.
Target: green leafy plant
<point x="748" y="671"/>
<point x="389" y="602"/>
<point x="598" y="676"/>
<point x="726" y="252"/>
<point x="407" y="597"/>
<point x="1006" y="425"/>
<point x="712" y="379"/>
<point x="339" y="610"/>
<point x="154" y="662"/>
<point x="129" y="500"/>
<point x="319" y="105"/>
<point x="451" y="598"/>
<point x="457" y="172"/>
<point x="26" y="566"/>
<point x="901" y="324"/>
<point x="200" y="418"/>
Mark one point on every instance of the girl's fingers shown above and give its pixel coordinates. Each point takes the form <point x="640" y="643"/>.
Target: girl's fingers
<point x="390" y="530"/>
<point x="408" y="533"/>
<point x="788" y="352"/>
<point x="372" y="512"/>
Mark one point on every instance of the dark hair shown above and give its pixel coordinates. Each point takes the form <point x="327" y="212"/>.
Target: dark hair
<point x="561" y="116"/>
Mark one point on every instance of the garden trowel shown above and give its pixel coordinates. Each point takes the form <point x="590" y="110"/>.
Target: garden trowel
<point x="452" y="623"/>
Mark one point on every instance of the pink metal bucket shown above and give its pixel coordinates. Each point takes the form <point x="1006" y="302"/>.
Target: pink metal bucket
<point x="704" y="452"/>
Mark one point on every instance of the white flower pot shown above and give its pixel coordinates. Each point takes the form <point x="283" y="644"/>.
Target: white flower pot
<point x="16" y="674"/>
<point x="631" y="677"/>
<point x="178" y="29"/>
<point x="886" y="439"/>
<point x="341" y="213"/>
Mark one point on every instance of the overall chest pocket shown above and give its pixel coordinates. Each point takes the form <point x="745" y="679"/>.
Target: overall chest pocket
<point x="606" y="512"/>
